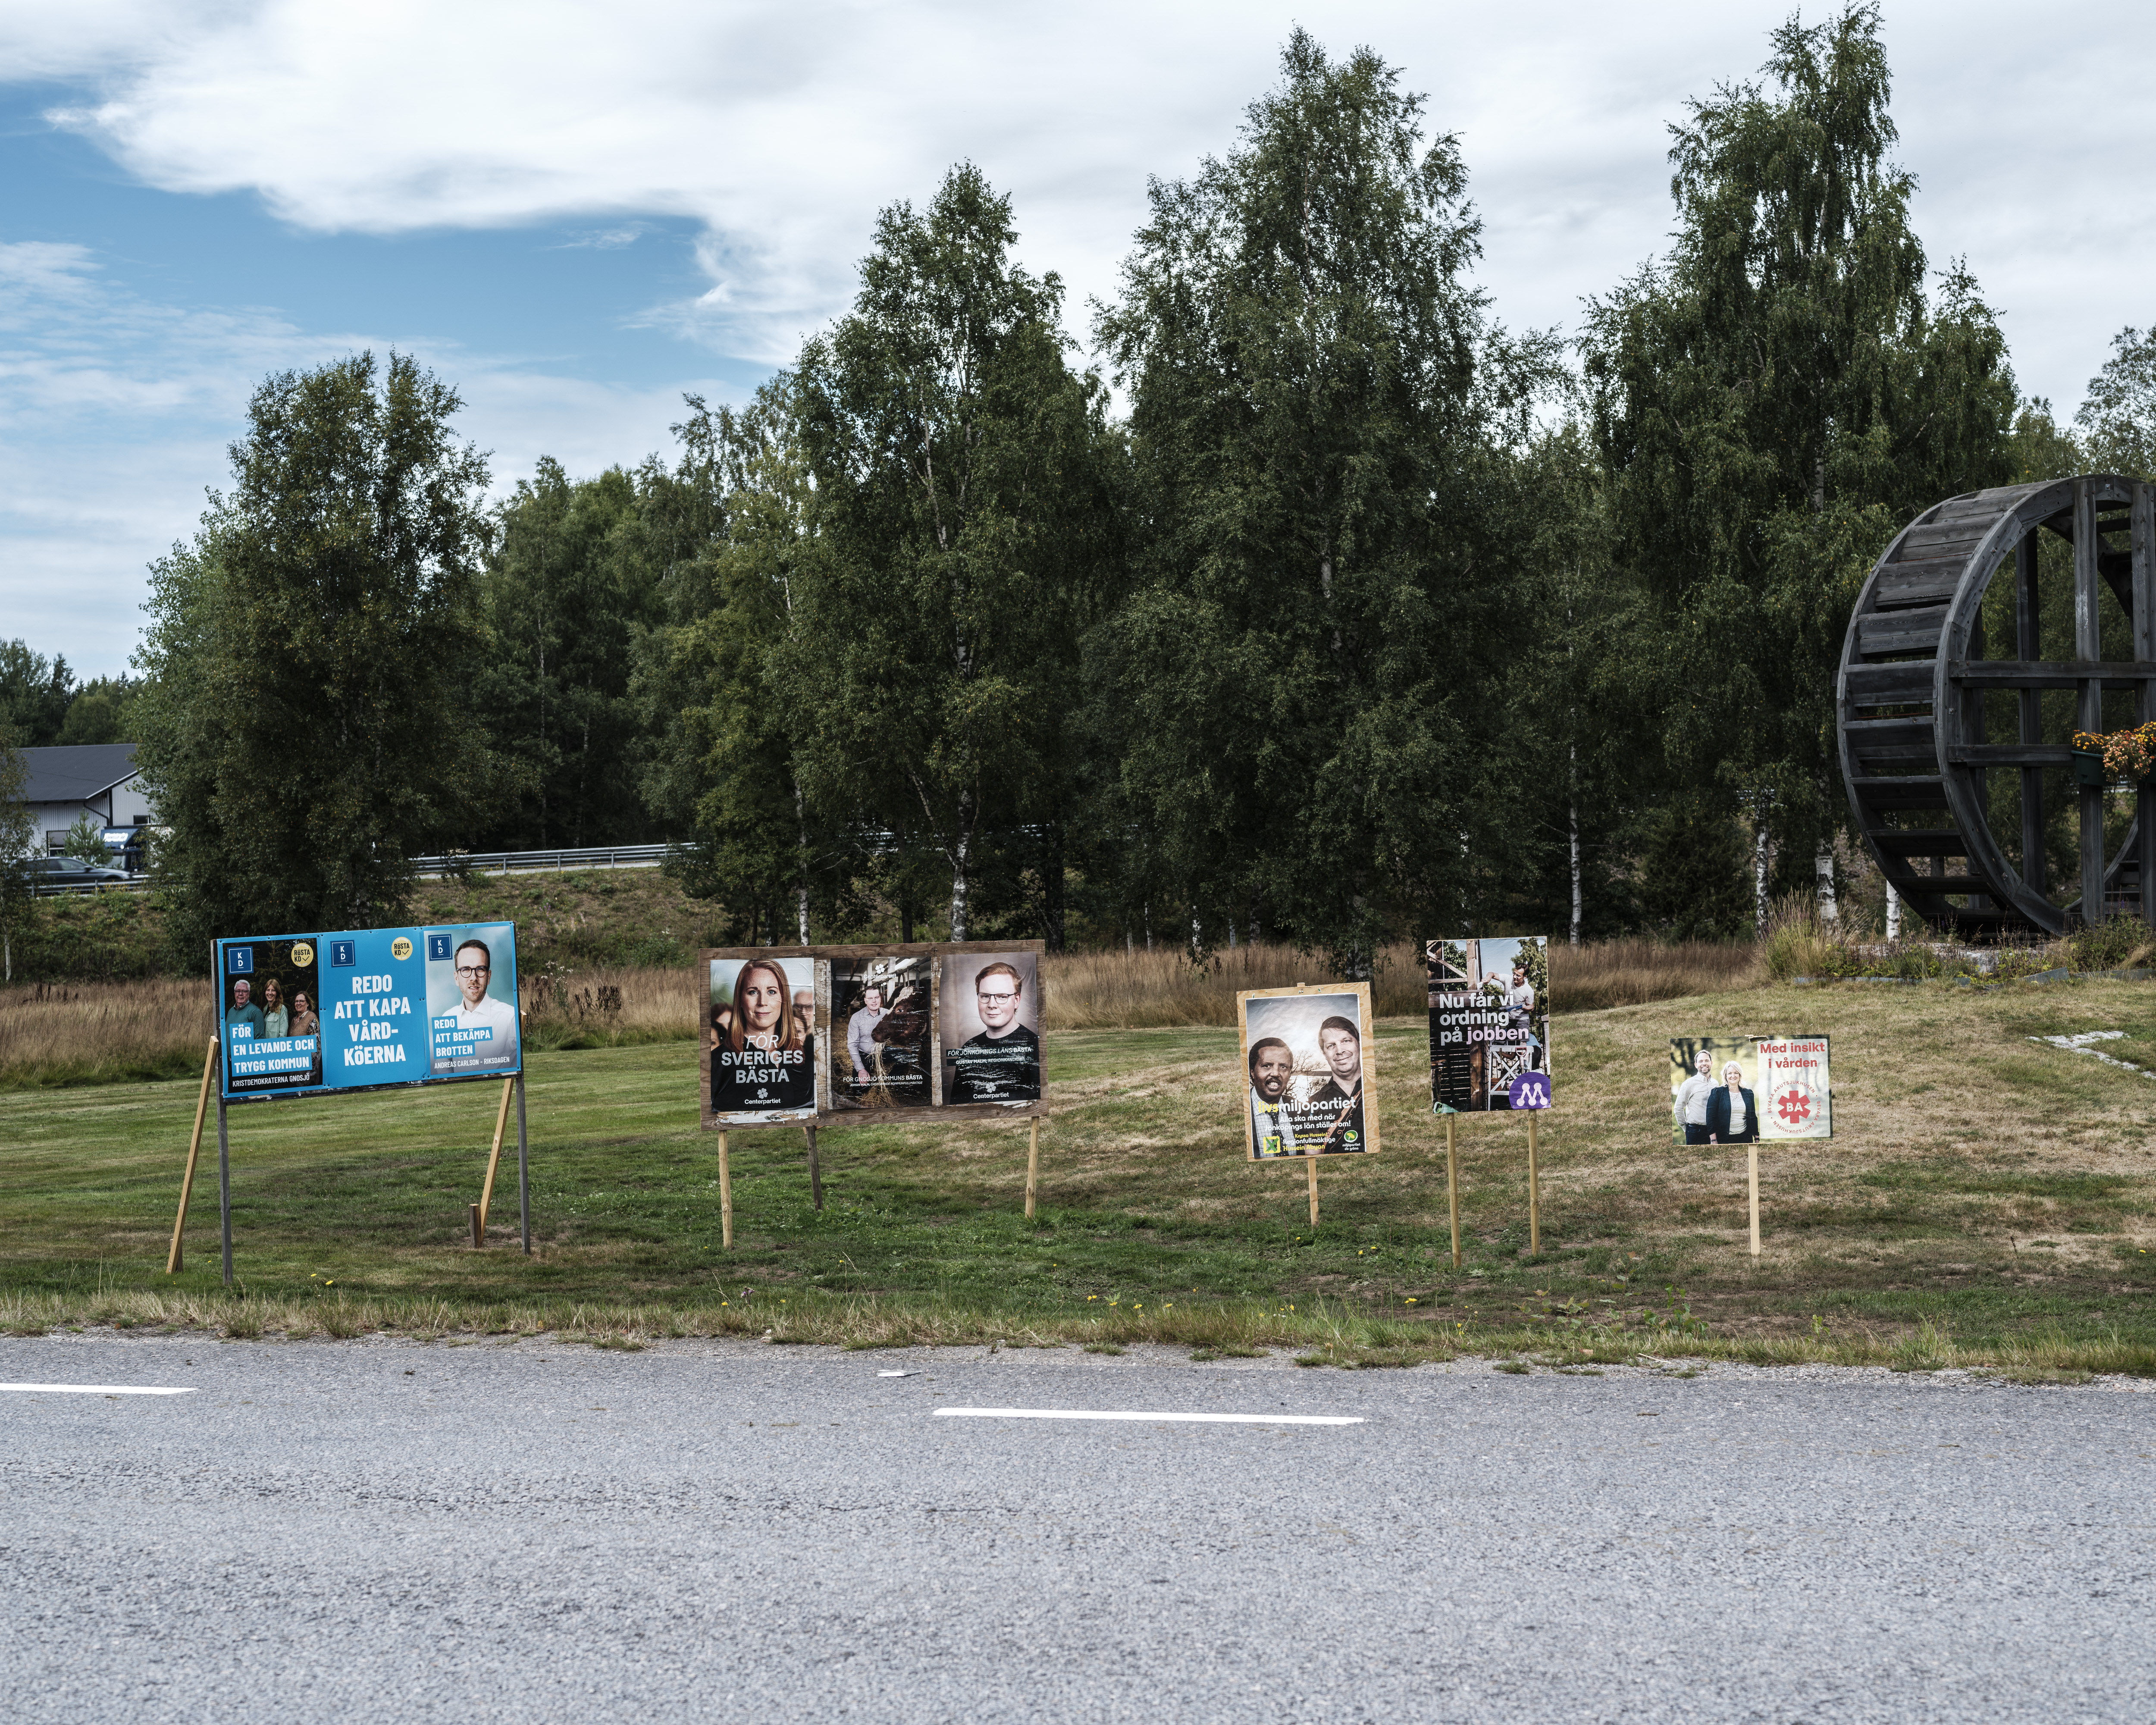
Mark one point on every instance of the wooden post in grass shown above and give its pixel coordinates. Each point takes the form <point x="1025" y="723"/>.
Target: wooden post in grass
<point x="815" y="1174"/>
<point x="1311" y="1161"/>
<point x="173" y="1259"/>
<point x="493" y="1161"/>
<point x="1452" y="1180"/>
<point x="726" y="1197"/>
<point x="523" y="1172"/>
<point x="225" y="1184"/>
<point x="1752" y="1155"/>
<point x="1534" y="1191"/>
<point x="1032" y="1169"/>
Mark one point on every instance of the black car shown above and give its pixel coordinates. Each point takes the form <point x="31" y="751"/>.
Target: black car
<point x="47" y="873"/>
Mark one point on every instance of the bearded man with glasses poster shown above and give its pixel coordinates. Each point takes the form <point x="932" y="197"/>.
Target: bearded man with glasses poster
<point x="471" y="999"/>
<point x="1001" y="1062"/>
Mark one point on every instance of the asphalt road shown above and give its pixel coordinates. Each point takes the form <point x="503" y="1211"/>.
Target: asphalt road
<point x="526" y="1530"/>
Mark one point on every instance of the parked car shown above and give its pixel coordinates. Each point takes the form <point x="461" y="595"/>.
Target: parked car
<point x="48" y="873"/>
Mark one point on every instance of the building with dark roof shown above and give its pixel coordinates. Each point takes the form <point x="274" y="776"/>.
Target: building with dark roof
<point x="93" y="778"/>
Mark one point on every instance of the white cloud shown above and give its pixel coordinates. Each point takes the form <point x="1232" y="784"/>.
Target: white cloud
<point x="784" y="128"/>
<point x="780" y="130"/>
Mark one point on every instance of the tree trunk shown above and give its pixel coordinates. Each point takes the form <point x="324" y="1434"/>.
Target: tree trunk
<point x="801" y="833"/>
<point x="1759" y="877"/>
<point x="1572" y="810"/>
<point x="961" y="854"/>
<point x="1830" y="908"/>
<point x="1051" y="889"/>
<point x="1893" y="913"/>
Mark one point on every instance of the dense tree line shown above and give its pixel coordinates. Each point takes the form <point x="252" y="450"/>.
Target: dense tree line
<point x="1321" y="607"/>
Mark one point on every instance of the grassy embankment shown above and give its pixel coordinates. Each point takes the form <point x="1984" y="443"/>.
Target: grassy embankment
<point x="1988" y="1201"/>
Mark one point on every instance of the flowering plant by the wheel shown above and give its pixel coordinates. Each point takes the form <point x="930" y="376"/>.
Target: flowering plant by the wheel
<point x="2129" y="754"/>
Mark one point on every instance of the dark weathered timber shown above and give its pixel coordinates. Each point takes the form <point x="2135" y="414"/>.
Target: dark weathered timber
<point x="1914" y="631"/>
<point x="1917" y="841"/>
<point x="2013" y="754"/>
<point x="1916" y="644"/>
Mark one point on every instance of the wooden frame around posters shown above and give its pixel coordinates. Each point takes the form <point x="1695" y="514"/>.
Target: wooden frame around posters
<point x="1360" y="993"/>
<point x="828" y="1110"/>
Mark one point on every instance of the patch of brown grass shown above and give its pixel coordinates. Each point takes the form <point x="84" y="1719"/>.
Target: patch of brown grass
<point x="93" y="1033"/>
<point x="89" y="1032"/>
<point x="1126" y="990"/>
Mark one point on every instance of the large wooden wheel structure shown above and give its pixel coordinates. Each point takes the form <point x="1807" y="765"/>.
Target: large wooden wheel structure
<point x="1920" y="700"/>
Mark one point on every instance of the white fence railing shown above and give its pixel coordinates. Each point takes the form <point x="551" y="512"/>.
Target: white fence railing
<point x="477" y="862"/>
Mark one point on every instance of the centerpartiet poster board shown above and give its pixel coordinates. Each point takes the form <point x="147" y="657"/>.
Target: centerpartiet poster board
<point x="821" y="1035"/>
<point x="1784" y="1086"/>
<point x="1489" y="1023"/>
<point x="1309" y="1072"/>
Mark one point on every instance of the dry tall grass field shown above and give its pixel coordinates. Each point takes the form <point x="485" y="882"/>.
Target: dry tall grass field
<point x="103" y="1032"/>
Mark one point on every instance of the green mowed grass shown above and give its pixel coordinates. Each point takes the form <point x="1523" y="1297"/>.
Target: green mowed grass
<point x="1981" y="1184"/>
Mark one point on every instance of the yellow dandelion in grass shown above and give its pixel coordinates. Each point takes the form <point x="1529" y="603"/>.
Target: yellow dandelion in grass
<point x="1410" y="1299"/>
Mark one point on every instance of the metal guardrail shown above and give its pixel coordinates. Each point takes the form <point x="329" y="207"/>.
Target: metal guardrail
<point x="519" y="862"/>
<point x="477" y="862"/>
<point x="139" y="883"/>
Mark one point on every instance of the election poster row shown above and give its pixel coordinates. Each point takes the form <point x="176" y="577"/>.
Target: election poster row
<point x="369" y="1008"/>
<point x="810" y="1036"/>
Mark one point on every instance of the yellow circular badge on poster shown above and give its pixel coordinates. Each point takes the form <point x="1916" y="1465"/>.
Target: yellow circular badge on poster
<point x="303" y="955"/>
<point x="400" y="947"/>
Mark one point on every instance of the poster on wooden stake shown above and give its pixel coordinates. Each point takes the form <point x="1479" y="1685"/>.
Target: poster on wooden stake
<point x="1489" y="1023"/>
<point x="1782" y="1090"/>
<point x="1309" y="1074"/>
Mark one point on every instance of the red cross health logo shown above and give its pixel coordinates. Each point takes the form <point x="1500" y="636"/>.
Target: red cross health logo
<point x="1795" y="1107"/>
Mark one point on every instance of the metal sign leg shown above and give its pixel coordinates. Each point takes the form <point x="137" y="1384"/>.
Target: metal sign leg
<point x="523" y="1168"/>
<point x="224" y="1186"/>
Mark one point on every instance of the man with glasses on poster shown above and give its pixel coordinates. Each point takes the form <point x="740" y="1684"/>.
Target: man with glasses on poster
<point x="485" y="1029"/>
<point x="1003" y="1063"/>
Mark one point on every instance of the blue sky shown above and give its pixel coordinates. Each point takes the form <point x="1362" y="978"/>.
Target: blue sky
<point x="576" y="213"/>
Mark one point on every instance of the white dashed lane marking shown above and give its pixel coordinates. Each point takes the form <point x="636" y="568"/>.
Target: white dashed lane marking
<point x="1192" y="1419"/>
<point x="93" y="1389"/>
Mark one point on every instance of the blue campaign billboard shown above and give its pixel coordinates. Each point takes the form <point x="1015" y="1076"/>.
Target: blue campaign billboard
<point x="366" y="1008"/>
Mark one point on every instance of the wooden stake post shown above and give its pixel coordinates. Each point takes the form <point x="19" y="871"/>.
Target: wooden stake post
<point x="173" y="1258"/>
<point x="815" y="1172"/>
<point x="1032" y="1169"/>
<point x="1751" y="1157"/>
<point x="1452" y="1180"/>
<point x="726" y="1196"/>
<point x="1311" y="1161"/>
<point x="1534" y="1189"/>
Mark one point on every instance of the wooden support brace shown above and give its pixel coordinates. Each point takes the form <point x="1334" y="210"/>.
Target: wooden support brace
<point x="493" y="1161"/>
<point x="173" y="1258"/>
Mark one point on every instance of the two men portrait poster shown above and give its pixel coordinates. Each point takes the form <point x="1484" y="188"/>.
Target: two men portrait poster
<point x="1309" y="1072"/>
